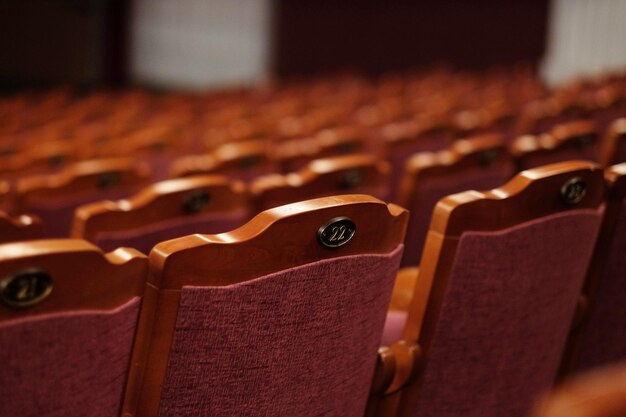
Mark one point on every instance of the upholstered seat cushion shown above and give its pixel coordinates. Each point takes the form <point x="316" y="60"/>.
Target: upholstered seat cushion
<point x="300" y="342"/>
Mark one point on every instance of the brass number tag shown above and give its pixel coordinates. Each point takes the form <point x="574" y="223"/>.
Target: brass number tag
<point x="573" y="191"/>
<point x="336" y="232"/>
<point x="25" y="288"/>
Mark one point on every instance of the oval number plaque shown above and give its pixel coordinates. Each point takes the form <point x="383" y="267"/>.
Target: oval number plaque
<point x="573" y="191"/>
<point x="336" y="232"/>
<point x="25" y="288"/>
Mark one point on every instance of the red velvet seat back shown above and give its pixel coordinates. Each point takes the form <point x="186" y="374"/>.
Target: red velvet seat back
<point x="67" y="325"/>
<point x="498" y="287"/>
<point x="270" y="321"/>
<point x="283" y="361"/>
<point x="504" y="320"/>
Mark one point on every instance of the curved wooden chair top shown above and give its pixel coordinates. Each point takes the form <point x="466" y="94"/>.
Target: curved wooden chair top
<point x="456" y="213"/>
<point x="294" y="154"/>
<point x="486" y="151"/>
<point x="82" y="277"/>
<point x="320" y="177"/>
<point x="598" y="393"/>
<point x="396" y="133"/>
<point x="277" y="225"/>
<point x="162" y="201"/>
<point x="577" y="139"/>
<point x="613" y="150"/>
<point x="43" y="157"/>
<point x="227" y="158"/>
<point x="87" y="177"/>
<point x="20" y="228"/>
<point x="530" y="195"/>
<point x="157" y="138"/>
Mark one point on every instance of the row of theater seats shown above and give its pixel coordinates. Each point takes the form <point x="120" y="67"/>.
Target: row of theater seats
<point x="69" y="203"/>
<point x="285" y="315"/>
<point x="282" y="128"/>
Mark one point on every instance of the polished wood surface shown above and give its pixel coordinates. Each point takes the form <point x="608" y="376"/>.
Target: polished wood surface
<point x="322" y="177"/>
<point x="238" y="156"/>
<point x="84" y="278"/>
<point x="162" y="201"/>
<point x="88" y="177"/>
<point x="478" y="151"/>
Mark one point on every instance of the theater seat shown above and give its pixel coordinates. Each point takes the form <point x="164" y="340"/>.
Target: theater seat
<point x="282" y="316"/>
<point x="476" y="163"/>
<point x="498" y="286"/>
<point x="163" y="211"/>
<point x="68" y="314"/>
<point x="240" y="160"/>
<point x="53" y="198"/>
<point x="600" y="336"/>
<point x="567" y="141"/>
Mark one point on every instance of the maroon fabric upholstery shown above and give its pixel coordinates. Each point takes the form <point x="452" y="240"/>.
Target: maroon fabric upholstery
<point x="144" y="238"/>
<point x="301" y="342"/>
<point x="603" y="336"/>
<point x="505" y="316"/>
<point x="66" y="364"/>
<point x="394" y="325"/>
<point x="430" y="191"/>
<point x="57" y="218"/>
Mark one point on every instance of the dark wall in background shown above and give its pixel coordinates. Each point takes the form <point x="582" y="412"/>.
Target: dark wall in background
<point x="376" y="36"/>
<point x="78" y="42"/>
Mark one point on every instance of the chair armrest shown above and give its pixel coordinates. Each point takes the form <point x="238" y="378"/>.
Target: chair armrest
<point x="403" y="289"/>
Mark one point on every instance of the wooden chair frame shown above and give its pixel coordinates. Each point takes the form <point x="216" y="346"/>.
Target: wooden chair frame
<point x="171" y="260"/>
<point x="321" y="176"/>
<point x="529" y="195"/>
<point x="160" y="202"/>
<point x="81" y="177"/>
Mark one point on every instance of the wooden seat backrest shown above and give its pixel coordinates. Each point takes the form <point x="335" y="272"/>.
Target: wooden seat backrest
<point x="276" y="244"/>
<point x="498" y="286"/>
<point x="480" y="163"/>
<point x="68" y="314"/>
<point x="54" y="197"/>
<point x="323" y="177"/>
<point x="163" y="211"/>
